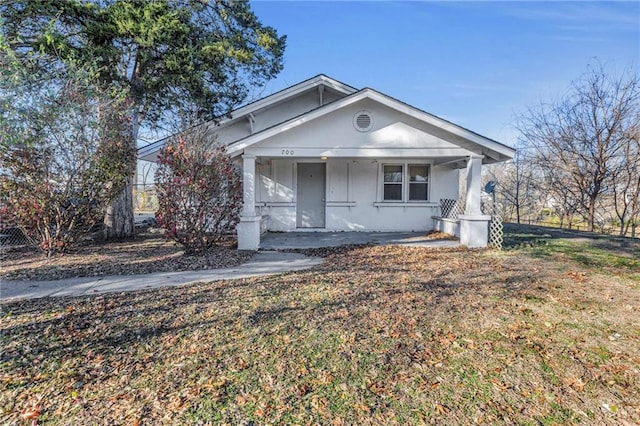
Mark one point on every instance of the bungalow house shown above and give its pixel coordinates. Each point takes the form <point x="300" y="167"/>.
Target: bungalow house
<point x="324" y="156"/>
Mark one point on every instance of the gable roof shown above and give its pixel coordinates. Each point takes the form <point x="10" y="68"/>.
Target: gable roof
<point x="289" y="92"/>
<point x="494" y="150"/>
<point x="262" y="103"/>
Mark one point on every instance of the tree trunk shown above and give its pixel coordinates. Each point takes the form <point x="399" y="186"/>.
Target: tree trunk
<point x="517" y="195"/>
<point x="118" y="219"/>
<point x="591" y="212"/>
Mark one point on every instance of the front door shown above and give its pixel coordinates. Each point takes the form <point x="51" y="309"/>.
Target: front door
<point x="311" y="195"/>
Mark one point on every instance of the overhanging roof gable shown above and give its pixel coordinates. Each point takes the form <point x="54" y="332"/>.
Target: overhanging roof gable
<point x="269" y="101"/>
<point x="291" y="92"/>
<point x="494" y="151"/>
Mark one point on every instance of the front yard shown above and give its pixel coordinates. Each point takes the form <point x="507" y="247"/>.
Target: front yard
<point x="146" y="254"/>
<point x="376" y="335"/>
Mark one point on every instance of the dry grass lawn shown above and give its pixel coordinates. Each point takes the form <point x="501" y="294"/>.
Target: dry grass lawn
<point x="376" y="335"/>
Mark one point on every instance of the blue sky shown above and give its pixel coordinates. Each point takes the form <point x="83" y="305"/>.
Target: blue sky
<point x="474" y="63"/>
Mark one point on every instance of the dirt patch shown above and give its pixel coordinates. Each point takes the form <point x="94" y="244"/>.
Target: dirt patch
<point x="146" y="254"/>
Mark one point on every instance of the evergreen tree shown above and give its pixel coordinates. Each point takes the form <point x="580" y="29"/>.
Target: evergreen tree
<point x="172" y="57"/>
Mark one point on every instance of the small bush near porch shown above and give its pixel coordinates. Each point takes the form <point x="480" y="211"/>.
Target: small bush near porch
<point x="376" y="335"/>
<point x="199" y="192"/>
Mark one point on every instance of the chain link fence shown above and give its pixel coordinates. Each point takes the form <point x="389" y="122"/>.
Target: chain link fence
<point x="12" y="237"/>
<point x="10" y="234"/>
<point x="145" y="205"/>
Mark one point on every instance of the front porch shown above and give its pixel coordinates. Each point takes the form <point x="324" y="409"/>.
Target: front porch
<point x="373" y="196"/>
<point x="306" y="240"/>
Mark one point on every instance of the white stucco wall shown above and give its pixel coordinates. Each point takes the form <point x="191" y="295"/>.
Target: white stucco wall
<point x="353" y="195"/>
<point x="354" y="169"/>
<point x="274" y="114"/>
<point x="334" y="135"/>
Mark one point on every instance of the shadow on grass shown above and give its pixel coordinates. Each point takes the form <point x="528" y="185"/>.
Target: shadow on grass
<point x="586" y="248"/>
<point x="599" y="254"/>
<point x="395" y="328"/>
<point x="518" y="234"/>
<point x="373" y="287"/>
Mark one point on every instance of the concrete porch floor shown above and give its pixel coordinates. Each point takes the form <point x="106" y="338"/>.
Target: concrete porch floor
<point x="301" y="240"/>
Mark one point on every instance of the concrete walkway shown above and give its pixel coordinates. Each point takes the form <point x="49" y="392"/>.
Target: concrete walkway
<point x="262" y="263"/>
<point x="265" y="262"/>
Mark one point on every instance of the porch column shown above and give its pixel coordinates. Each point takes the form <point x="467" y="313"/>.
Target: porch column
<point x="474" y="226"/>
<point x="249" y="227"/>
<point x="474" y="186"/>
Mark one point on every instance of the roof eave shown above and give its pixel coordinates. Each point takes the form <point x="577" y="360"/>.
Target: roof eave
<point x="262" y="103"/>
<point x="503" y="152"/>
<point x="287" y="93"/>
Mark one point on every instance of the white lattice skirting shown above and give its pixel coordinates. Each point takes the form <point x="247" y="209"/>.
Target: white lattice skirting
<point x="449" y="221"/>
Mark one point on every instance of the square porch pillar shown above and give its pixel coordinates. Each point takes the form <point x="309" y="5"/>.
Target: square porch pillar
<point x="249" y="227"/>
<point x="474" y="226"/>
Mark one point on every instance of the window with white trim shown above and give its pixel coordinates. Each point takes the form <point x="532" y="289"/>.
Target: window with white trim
<point x="393" y="182"/>
<point x="418" y="182"/>
<point x="405" y="182"/>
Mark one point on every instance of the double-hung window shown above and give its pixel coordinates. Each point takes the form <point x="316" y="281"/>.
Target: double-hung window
<point x="418" y="182"/>
<point x="393" y="182"/>
<point x="405" y="182"/>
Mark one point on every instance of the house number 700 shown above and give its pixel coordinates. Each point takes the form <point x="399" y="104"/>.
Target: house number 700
<point x="287" y="152"/>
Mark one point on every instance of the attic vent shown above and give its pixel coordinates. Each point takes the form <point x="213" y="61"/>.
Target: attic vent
<point x="363" y="121"/>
